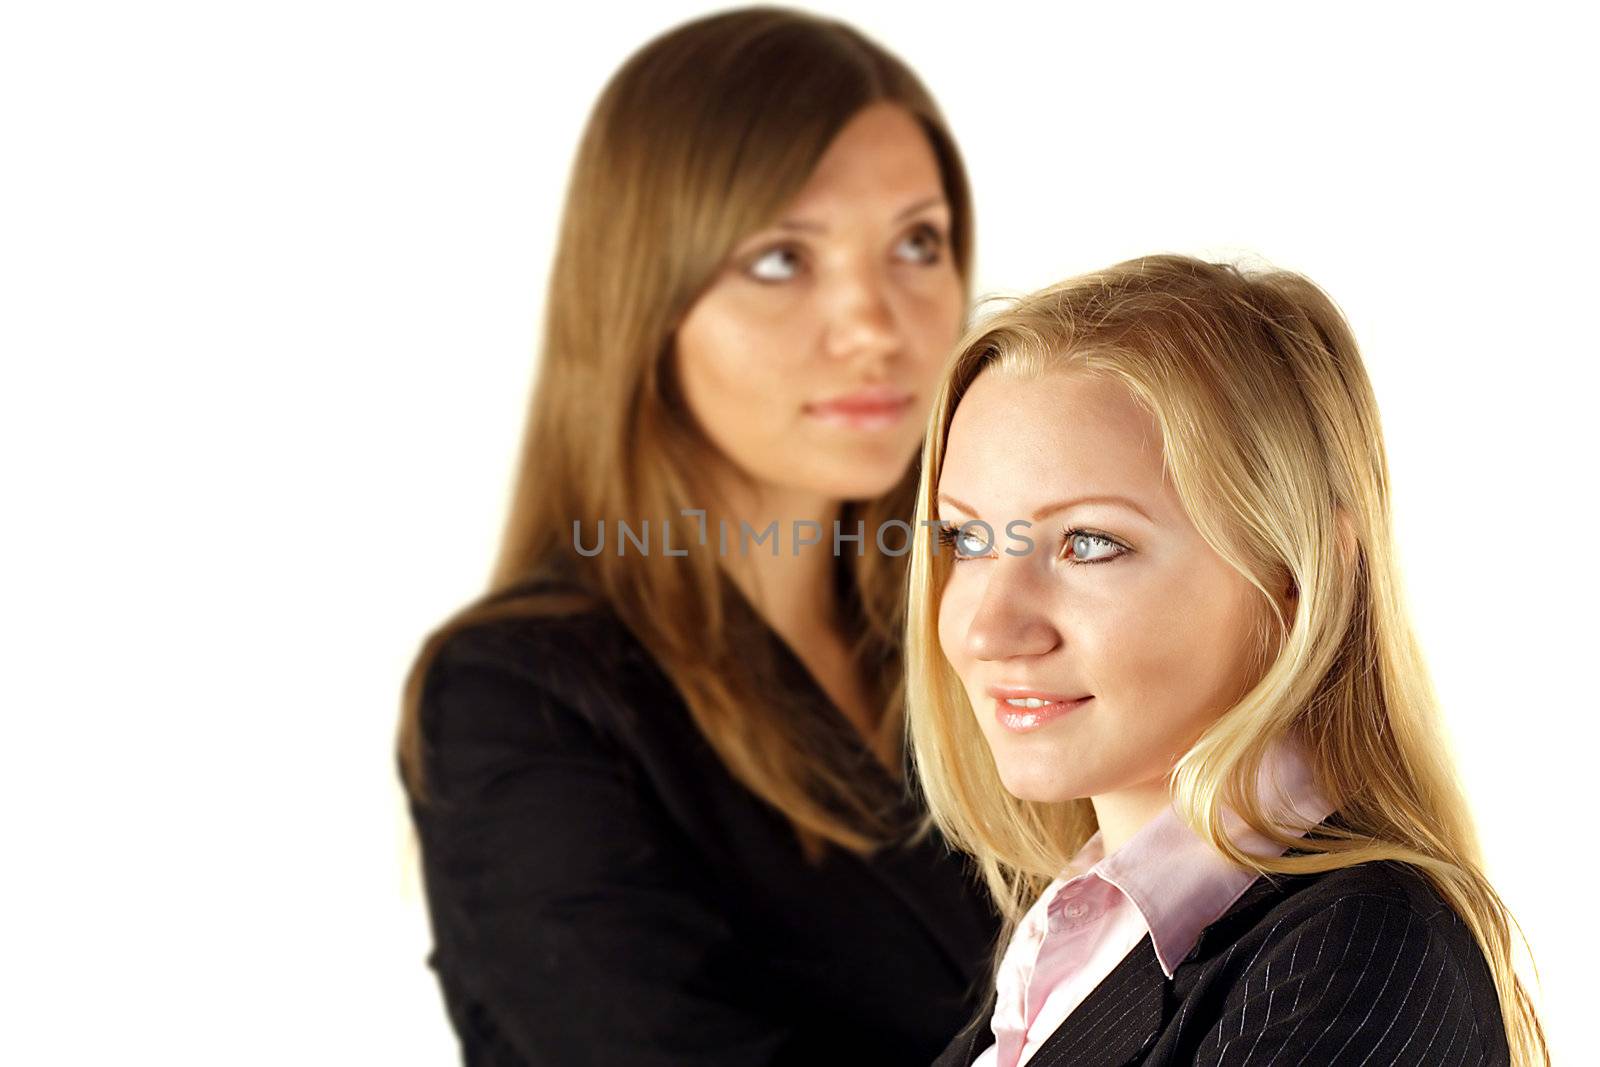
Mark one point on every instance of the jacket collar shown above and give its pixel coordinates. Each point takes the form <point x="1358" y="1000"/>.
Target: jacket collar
<point x="1127" y="1011"/>
<point x="1179" y="884"/>
<point x="1180" y="887"/>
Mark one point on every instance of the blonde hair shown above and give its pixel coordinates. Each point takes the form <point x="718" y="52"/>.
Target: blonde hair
<point x="700" y="138"/>
<point x="1272" y="439"/>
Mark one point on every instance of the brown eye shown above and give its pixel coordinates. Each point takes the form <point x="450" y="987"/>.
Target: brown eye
<point x="922" y="245"/>
<point x="778" y="264"/>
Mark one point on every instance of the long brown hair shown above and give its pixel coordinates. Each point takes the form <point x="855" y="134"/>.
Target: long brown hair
<point x="1271" y="436"/>
<point x="702" y="137"/>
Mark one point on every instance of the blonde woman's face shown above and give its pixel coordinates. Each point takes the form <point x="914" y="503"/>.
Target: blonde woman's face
<point x="1119" y="602"/>
<point x="810" y="362"/>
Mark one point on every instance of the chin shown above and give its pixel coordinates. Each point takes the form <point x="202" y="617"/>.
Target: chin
<point x="1037" y="783"/>
<point x="864" y="471"/>
<point x="865" y="481"/>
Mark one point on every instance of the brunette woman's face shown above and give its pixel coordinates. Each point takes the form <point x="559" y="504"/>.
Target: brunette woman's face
<point x="1120" y="600"/>
<point x="811" y="359"/>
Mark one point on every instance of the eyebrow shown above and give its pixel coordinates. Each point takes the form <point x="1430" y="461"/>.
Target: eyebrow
<point x="906" y="213"/>
<point x="1060" y="505"/>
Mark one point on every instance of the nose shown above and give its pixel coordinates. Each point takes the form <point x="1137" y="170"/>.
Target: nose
<point x="861" y="323"/>
<point x="1011" y="620"/>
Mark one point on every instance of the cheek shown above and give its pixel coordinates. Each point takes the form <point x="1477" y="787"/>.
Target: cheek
<point x="955" y="614"/>
<point x="717" y="357"/>
<point x="733" y="366"/>
<point x="932" y="318"/>
<point x="1177" y="657"/>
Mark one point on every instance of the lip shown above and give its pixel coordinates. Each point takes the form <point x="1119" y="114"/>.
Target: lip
<point x="872" y="408"/>
<point x="1017" y="692"/>
<point x="1025" y="720"/>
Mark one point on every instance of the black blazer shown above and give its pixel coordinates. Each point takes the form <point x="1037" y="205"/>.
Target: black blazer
<point x="601" y="890"/>
<point x="1365" y="965"/>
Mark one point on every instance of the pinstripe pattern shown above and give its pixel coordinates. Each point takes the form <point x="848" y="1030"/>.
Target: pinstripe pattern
<point x="1366" y="966"/>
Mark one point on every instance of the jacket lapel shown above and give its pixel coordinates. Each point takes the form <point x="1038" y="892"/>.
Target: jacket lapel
<point x="950" y="920"/>
<point x="1127" y="1011"/>
<point x="946" y="914"/>
<point x="973" y="1039"/>
<point x="1117" y="1021"/>
<point x="941" y="907"/>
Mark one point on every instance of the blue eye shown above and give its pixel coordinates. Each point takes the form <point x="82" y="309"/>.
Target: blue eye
<point x="1074" y="539"/>
<point x="970" y="545"/>
<point x="777" y="264"/>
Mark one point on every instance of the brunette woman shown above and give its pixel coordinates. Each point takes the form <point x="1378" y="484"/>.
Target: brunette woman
<point x="656" y="769"/>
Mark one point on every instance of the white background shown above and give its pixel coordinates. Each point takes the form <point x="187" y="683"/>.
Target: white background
<point x="270" y="283"/>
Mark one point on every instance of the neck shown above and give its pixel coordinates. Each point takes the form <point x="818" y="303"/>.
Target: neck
<point x="1125" y="812"/>
<point x="794" y="594"/>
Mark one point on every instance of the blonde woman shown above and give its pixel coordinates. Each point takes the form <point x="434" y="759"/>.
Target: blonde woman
<point x="656" y="769"/>
<point x="1163" y="687"/>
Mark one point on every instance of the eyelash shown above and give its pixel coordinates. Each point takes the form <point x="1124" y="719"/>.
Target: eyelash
<point x="948" y="532"/>
<point x="928" y="229"/>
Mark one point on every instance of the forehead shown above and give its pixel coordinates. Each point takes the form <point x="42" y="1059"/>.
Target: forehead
<point x="1016" y="444"/>
<point x="883" y="152"/>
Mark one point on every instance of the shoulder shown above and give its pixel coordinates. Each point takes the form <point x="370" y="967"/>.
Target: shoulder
<point x="1275" y="907"/>
<point x="563" y="650"/>
<point x="527" y="684"/>
<point x="1386" y="901"/>
<point x="1395" y="894"/>
<point x="1316" y="959"/>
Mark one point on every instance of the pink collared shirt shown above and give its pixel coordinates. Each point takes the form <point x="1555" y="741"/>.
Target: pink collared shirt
<point x="1164" y="881"/>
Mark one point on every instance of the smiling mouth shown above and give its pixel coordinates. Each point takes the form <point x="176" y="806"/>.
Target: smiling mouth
<point x="1034" y="713"/>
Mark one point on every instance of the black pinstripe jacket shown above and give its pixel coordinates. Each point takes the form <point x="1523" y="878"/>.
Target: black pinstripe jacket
<point x="1365" y="965"/>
